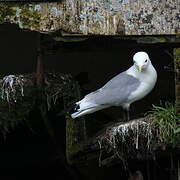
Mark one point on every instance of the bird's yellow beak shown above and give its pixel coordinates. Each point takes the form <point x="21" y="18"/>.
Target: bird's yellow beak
<point x="139" y="68"/>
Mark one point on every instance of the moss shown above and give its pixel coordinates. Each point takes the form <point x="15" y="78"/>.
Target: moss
<point x="70" y="39"/>
<point x="177" y="55"/>
<point x="30" y="18"/>
<point x="149" y="39"/>
<point x="6" y="11"/>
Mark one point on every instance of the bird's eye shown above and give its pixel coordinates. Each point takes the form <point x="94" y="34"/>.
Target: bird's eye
<point x="146" y="60"/>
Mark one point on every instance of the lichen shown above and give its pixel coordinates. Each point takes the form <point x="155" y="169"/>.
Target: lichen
<point x="96" y="17"/>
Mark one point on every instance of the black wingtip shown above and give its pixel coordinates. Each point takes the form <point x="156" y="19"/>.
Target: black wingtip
<point x="71" y="109"/>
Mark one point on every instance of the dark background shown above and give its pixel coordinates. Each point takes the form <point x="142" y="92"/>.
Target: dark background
<point x="28" y="152"/>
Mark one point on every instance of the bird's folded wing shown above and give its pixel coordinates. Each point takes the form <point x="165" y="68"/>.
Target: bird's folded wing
<point x="114" y="92"/>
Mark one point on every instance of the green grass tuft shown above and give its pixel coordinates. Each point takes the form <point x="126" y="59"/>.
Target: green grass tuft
<point x="166" y="122"/>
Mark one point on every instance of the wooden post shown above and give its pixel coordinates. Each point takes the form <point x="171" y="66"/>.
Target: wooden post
<point x="177" y="73"/>
<point x="39" y="65"/>
<point x="75" y="133"/>
<point x="148" y="170"/>
<point x="172" y="167"/>
<point x="178" y="167"/>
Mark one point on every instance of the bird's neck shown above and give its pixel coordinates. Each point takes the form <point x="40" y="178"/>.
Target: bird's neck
<point x="149" y="73"/>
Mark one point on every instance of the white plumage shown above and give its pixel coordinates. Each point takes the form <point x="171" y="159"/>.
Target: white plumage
<point x="122" y="90"/>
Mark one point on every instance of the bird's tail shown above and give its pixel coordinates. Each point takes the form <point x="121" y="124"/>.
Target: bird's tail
<point x="69" y="109"/>
<point x="84" y="107"/>
<point x="80" y="113"/>
<point x="74" y="109"/>
<point x="81" y="108"/>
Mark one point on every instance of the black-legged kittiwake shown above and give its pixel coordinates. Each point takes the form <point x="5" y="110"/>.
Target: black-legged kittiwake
<point x="122" y="90"/>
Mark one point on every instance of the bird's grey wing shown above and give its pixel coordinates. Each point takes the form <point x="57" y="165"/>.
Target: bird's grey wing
<point x="116" y="91"/>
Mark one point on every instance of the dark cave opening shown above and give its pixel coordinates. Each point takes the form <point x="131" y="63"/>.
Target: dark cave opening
<point x="29" y="153"/>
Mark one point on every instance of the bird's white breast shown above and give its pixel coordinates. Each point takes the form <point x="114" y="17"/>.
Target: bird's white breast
<point x="147" y="80"/>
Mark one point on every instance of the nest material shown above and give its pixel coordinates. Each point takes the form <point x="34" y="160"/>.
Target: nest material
<point x="125" y="140"/>
<point x="58" y="86"/>
<point x="16" y="92"/>
<point x="19" y="93"/>
<point x="11" y="85"/>
<point x="134" y="131"/>
<point x="140" y="138"/>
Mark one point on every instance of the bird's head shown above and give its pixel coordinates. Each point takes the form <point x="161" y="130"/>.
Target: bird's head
<point x="141" y="61"/>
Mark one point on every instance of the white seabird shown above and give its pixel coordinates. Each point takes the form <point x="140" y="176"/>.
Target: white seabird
<point x="122" y="90"/>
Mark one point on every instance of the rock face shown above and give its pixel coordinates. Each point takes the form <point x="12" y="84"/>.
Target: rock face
<point x="99" y="17"/>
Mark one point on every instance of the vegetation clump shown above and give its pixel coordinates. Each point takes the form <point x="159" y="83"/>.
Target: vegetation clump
<point x="141" y="138"/>
<point x="165" y="120"/>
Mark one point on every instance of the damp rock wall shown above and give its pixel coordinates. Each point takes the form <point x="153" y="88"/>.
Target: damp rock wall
<point x="97" y="17"/>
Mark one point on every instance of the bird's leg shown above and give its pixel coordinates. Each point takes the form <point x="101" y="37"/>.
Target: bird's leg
<point x="126" y="114"/>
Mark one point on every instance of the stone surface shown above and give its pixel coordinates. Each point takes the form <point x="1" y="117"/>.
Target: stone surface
<point x="99" y="17"/>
